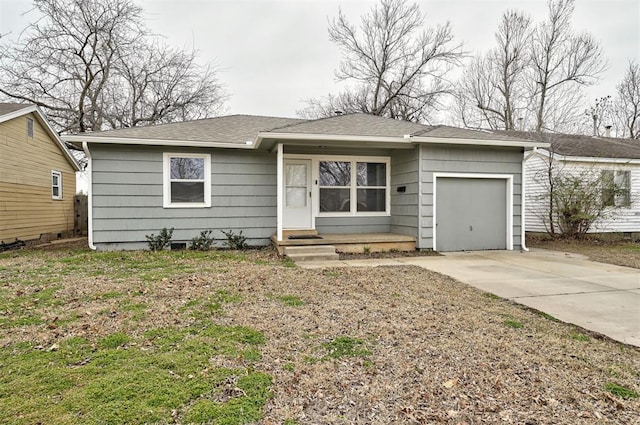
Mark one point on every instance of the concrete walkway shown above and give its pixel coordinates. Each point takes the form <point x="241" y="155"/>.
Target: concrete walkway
<point x="600" y="297"/>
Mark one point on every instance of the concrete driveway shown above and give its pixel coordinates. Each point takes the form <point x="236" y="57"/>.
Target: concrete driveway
<point x="596" y="296"/>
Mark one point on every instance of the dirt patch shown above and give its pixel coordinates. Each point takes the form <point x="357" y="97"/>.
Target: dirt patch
<point x="343" y="346"/>
<point x="385" y="254"/>
<point x="621" y="253"/>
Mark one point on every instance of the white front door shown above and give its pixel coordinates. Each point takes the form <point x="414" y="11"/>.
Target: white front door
<point x="297" y="194"/>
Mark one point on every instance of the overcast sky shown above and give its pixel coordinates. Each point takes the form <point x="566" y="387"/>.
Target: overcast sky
<point x="274" y="54"/>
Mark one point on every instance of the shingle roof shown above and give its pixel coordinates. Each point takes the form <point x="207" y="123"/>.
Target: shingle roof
<point x="445" y="131"/>
<point x="354" y="125"/>
<point x="7" y="108"/>
<point x="238" y="129"/>
<point x="587" y="146"/>
<point x="228" y="129"/>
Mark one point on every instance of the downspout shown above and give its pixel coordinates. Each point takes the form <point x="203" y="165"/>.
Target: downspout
<point x="89" y="170"/>
<point x="280" y="193"/>
<point x="523" y="194"/>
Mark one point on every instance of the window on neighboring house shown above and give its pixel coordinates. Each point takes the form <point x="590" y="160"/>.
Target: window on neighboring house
<point x="616" y="188"/>
<point x="30" y="127"/>
<point x="187" y="180"/>
<point x="353" y="187"/>
<point x="56" y="184"/>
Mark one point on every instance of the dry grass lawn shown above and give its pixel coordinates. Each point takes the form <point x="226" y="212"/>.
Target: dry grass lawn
<point x="336" y="346"/>
<point x="621" y="253"/>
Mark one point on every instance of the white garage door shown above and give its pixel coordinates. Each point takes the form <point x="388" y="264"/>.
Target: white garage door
<point x="471" y="213"/>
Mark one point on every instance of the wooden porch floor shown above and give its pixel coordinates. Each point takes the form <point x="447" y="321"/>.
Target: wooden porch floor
<point x="352" y="242"/>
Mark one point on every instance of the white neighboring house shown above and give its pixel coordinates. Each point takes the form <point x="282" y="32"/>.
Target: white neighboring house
<point x="583" y="155"/>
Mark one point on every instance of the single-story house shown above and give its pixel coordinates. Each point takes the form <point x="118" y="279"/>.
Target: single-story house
<point x="614" y="159"/>
<point x="37" y="176"/>
<point x="443" y="188"/>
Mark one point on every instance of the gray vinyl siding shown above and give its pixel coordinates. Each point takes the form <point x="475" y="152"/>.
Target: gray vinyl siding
<point x="362" y="224"/>
<point x="467" y="159"/>
<point x="404" y="205"/>
<point x="128" y="196"/>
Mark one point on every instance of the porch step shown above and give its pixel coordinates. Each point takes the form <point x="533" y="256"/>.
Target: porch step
<point x="311" y="253"/>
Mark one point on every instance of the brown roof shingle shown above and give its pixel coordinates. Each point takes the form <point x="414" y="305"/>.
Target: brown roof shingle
<point x="7" y="108"/>
<point x="586" y="146"/>
<point x="235" y="129"/>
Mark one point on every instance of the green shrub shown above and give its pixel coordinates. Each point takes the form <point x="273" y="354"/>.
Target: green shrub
<point x="204" y="242"/>
<point x="235" y="241"/>
<point x="160" y="242"/>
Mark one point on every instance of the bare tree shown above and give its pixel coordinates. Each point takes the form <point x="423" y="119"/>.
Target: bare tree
<point x="92" y="64"/>
<point x="628" y="102"/>
<point x="397" y="68"/>
<point x="534" y="73"/>
<point x="493" y="84"/>
<point x="562" y="61"/>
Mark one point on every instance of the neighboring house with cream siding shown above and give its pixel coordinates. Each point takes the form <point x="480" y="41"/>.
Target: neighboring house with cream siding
<point x="37" y="176"/>
<point x="581" y="155"/>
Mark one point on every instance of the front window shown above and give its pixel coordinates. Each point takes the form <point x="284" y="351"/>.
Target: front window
<point x="187" y="180"/>
<point x="56" y="184"/>
<point x="335" y="186"/>
<point x="353" y="187"/>
<point x="372" y="186"/>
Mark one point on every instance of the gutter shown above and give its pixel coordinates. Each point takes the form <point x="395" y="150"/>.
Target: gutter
<point x="75" y="138"/>
<point x="85" y="148"/>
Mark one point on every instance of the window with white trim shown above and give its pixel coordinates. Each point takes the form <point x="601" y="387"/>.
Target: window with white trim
<point x="187" y="180"/>
<point x="56" y="184"/>
<point x="616" y="188"/>
<point x="353" y="187"/>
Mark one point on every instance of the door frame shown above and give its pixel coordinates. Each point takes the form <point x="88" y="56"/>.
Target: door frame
<point x="509" y="194"/>
<point x="310" y="197"/>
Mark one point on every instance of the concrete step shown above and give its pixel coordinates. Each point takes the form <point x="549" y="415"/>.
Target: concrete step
<point x="310" y="249"/>
<point x="311" y="253"/>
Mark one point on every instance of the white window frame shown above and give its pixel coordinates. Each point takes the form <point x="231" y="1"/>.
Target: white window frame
<point x="56" y="173"/>
<point x="622" y="196"/>
<point x="354" y="185"/>
<point x="166" y="174"/>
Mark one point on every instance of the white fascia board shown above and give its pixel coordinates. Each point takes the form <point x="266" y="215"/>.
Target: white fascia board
<point x="42" y="119"/>
<point x="303" y="137"/>
<point x="598" y="160"/>
<point x="18" y="113"/>
<point x="155" y="142"/>
<point x="593" y="159"/>
<point x="479" y="142"/>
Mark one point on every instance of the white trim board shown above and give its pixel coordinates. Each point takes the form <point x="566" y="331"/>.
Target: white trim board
<point x="509" y="203"/>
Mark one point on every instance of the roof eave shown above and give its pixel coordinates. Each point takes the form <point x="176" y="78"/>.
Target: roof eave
<point x="340" y="138"/>
<point x="78" y="138"/>
<point x="47" y="127"/>
<point x="592" y="159"/>
<point x="480" y="142"/>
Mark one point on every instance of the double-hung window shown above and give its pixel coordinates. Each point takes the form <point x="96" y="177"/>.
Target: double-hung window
<point x="56" y="184"/>
<point x="616" y="188"/>
<point x="354" y="186"/>
<point x="187" y="180"/>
